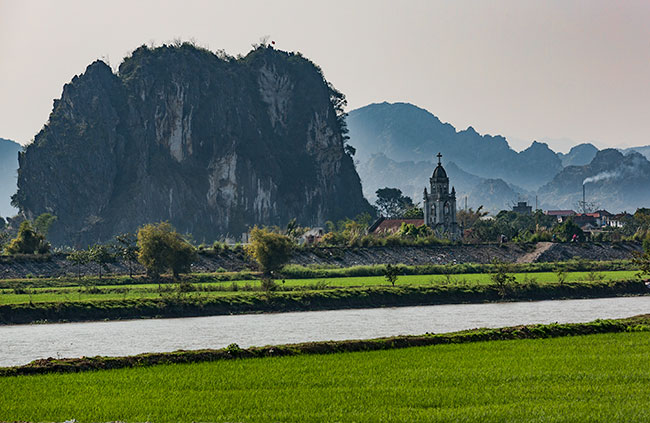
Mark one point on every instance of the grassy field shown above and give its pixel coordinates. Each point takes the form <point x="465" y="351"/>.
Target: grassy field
<point x="583" y="378"/>
<point x="124" y="290"/>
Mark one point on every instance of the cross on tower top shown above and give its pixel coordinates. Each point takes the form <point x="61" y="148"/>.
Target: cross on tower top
<point x="439" y="156"/>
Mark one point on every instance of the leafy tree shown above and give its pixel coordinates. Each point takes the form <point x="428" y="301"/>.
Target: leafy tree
<point x="347" y="231"/>
<point x="642" y="260"/>
<point x="127" y="250"/>
<point x="412" y="231"/>
<point x="391" y="202"/>
<point x="161" y="248"/>
<point x="501" y="278"/>
<point x="390" y="273"/>
<point x="515" y="226"/>
<point x="413" y="213"/>
<point x="28" y="241"/>
<point x="339" y="102"/>
<point x="271" y="250"/>
<point x="567" y="230"/>
<point x="43" y="223"/>
<point x="294" y="230"/>
<point x="4" y="236"/>
<point x="101" y="255"/>
<point x="79" y="258"/>
<point x="467" y="218"/>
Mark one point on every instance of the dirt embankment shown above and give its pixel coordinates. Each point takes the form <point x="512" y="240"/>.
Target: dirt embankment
<point x="56" y="265"/>
<point x="279" y="302"/>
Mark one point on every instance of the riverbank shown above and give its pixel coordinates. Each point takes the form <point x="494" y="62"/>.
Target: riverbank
<point x="639" y="323"/>
<point x="601" y="376"/>
<point x="195" y="304"/>
<point x="234" y="259"/>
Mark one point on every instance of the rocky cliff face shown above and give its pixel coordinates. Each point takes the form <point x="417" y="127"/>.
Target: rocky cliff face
<point x="212" y="144"/>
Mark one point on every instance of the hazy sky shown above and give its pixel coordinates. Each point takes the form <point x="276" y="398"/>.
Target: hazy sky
<point x="528" y="70"/>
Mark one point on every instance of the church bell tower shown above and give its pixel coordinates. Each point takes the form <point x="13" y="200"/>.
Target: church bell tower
<point x="440" y="204"/>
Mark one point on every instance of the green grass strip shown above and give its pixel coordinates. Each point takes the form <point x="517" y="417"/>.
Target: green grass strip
<point x="198" y="304"/>
<point x="633" y="324"/>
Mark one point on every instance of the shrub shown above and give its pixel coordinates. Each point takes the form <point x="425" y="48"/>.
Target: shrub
<point x="79" y="258"/>
<point x="390" y="273"/>
<point x="271" y="250"/>
<point x="28" y="241"/>
<point x="501" y="278"/>
<point x="161" y="248"/>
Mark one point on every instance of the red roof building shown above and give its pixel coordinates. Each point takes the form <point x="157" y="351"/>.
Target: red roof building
<point x="560" y="215"/>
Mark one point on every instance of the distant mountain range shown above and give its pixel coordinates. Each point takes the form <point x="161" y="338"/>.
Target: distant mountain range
<point x="613" y="181"/>
<point x="396" y="144"/>
<point x="404" y="132"/>
<point x="579" y="155"/>
<point x="411" y="177"/>
<point x="8" y="174"/>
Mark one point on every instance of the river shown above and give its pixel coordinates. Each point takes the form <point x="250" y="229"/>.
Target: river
<point x="21" y="344"/>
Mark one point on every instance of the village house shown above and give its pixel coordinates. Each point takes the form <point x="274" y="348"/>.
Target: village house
<point x="560" y="215"/>
<point x="522" y="207"/>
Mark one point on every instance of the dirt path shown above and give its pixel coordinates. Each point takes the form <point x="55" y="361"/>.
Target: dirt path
<point x="540" y="248"/>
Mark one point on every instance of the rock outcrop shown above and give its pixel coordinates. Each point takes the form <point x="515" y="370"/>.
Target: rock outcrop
<point x="210" y="143"/>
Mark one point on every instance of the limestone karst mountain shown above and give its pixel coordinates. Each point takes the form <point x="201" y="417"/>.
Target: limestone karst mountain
<point x="612" y="180"/>
<point x="412" y="176"/>
<point x="396" y="144"/>
<point x="8" y="167"/>
<point x="211" y="143"/>
<point x="404" y="132"/>
<point x="644" y="149"/>
<point x="579" y="155"/>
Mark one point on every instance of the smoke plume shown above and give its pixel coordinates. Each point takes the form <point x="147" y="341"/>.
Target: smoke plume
<point x="631" y="169"/>
<point x="603" y="176"/>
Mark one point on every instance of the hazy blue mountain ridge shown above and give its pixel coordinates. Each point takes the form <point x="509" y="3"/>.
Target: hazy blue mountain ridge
<point x="612" y="180"/>
<point x="405" y="132"/>
<point x="396" y="146"/>
<point x="579" y="155"/>
<point x="411" y="177"/>
<point x="8" y="175"/>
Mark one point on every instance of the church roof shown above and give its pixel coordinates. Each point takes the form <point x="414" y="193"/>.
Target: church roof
<point x="439" y="172"/>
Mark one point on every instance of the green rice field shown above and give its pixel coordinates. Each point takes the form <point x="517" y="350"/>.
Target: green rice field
<point x="148" y="291"/>
<point x="593" y="378"/>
